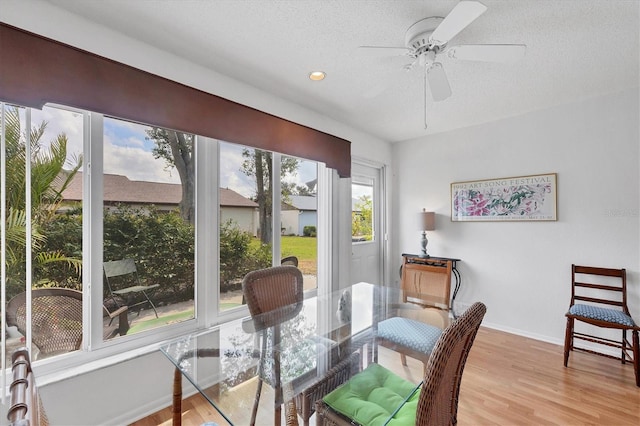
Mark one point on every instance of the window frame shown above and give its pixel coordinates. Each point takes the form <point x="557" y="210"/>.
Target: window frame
<point x="97" y="353"/>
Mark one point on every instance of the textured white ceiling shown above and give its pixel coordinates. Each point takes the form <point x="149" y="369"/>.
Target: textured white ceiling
<point x="575" y="49"/>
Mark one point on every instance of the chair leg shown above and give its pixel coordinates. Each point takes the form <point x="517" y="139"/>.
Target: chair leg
<point x="151" y="303"/>
<point x="277" y="388"/>
<point x="256" y="401"/>
<point x="277" y="415"/>
<point x="636" y="356"/>
<point x="568" y="340"/>
<point x="176" y="408"/>
<point x="123" y="323"/>
<point x="403" y="359"/>
<point x="623" y="356"/>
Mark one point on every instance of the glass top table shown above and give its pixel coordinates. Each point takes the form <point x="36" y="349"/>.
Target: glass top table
<point x="224" y="362"/>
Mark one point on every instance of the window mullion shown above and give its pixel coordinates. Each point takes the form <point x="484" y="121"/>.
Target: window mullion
<point x="276" y="203"/>
<point x="3" y="255"/>
<point x="92" y="224"/>
<point x="207" y="218"/>
<point x="28" y="227"/>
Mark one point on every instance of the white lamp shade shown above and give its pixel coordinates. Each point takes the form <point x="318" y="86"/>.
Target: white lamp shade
<point x="427" y="220"/>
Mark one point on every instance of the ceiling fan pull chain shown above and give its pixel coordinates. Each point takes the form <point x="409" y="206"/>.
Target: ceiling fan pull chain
<point x="425" y="98"/>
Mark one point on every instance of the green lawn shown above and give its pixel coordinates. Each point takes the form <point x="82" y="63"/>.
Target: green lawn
<point x="163" y="320"/>
<point x="304" y="248"/>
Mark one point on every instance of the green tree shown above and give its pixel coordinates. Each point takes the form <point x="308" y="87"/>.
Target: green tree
<point x="303" y="190"/>
<point x="259" y="165"/>
<point x="237" y="256"/>
<point x="362" y="217"/>
<point x="48" y="181"/>
<point x="161" y="244"/>
<point x="176" y="149"/>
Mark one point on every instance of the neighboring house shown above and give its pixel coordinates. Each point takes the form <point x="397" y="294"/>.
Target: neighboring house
<point x="288" y="219"/>
<point x="165" y="197"/>
<point x="240" y="209"/>
<point x="308" y="211"/>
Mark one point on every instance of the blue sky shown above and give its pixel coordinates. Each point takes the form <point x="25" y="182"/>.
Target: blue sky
<point x="127" y="152"/>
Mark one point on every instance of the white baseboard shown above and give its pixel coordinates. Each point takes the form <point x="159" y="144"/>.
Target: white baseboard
<point x="547" y="339"/>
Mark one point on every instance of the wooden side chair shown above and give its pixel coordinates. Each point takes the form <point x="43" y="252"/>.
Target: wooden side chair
<point x="599" y="298"/>
<point x="123" y="282"/>
<point x="25" y="407"/>
<point x="56" y="319"/>
<point x="398" y="401"/>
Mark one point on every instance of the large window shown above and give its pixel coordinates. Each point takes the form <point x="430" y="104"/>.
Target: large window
<point x="102" y="212"/>
<point x="299" y="216"/>
<point x="264" y="221"/>
<point x="245" y="218"/>
<point x="41" y="235"/>
<point x="148" y="186"/>
<point x="362" y="223"/>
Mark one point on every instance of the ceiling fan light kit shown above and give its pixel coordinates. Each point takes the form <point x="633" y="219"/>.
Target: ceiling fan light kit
<point x="428" y="38"/>
<point x="418" y="34"/>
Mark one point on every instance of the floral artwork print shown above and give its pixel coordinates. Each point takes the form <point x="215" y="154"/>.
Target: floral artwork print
<point x="516" y="198"/>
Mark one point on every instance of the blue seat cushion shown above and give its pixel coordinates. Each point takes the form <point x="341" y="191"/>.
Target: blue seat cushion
<point x="374" y="395"/>
<point x="602" y="314"/>
<point x="412" y="334"/>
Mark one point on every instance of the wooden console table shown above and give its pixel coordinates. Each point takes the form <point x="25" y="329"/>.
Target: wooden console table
<point x="431" y="276"/>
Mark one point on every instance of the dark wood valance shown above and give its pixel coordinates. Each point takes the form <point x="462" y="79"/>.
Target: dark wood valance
<point x="35" y="70"/>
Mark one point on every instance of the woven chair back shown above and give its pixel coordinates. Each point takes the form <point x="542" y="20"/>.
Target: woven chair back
<point x="273" y="295"/>
<point x="56" y="318"/>
<point x="438" y="404"/>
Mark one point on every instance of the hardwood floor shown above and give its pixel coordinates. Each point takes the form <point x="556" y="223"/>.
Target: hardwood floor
<point x="509" y="380"/>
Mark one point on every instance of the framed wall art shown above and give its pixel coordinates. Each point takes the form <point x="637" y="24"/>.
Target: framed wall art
<point x="525" y="198"/>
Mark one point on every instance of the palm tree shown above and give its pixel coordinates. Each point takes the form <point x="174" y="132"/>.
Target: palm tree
<point x="48" y="180"/>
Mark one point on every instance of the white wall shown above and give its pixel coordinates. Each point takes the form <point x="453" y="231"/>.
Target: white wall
<point x="244" y="218"/>
<point x="522" y="270"/>
<point x="120" y="393"/>
<point x="289" y="222"/>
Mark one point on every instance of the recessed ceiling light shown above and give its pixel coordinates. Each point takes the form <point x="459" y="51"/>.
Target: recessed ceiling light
<point x="317" y="75"/>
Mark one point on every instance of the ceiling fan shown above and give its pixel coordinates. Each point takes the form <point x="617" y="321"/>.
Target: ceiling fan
<point x="428" y="39"/>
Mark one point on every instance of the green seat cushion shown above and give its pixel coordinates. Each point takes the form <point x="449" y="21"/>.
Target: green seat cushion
<point x="372" y="396"/>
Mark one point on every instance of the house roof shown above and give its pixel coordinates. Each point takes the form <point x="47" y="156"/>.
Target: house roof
<point x="304" y="202"/>
<point x="120" y="189"/>
<point x="230" y="198"/>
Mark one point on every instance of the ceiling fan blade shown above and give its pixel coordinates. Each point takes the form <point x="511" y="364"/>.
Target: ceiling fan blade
<point x="438" y="82"/>
<point x="460" y="16"/>
<point x="488" y="52"/>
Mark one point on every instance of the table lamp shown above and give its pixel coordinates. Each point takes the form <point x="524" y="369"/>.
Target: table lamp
<point x="427" y="223"/>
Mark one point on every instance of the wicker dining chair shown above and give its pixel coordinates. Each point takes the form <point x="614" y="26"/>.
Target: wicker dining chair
<point x="56" y="319"/>
<point x="438" y="400"/>
<point x="273" y="295"/>
<point x="305" y="401"/>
